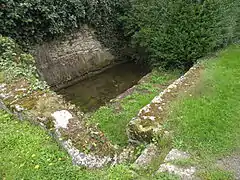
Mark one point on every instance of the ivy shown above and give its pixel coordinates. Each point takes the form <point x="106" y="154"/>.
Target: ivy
<point x="14" y="64"/>
<point x="34" y="21"/>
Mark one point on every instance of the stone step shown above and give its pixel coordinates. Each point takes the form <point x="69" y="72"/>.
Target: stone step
<point x="184" y="173"/>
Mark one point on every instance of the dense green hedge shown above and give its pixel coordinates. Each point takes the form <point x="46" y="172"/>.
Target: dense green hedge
<point x="37" y="20"/>
<point x="168" y="33"/>
<point x="174" y="33"/>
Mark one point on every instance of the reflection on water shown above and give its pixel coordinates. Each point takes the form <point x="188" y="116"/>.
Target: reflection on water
<point x="95" y="91"/>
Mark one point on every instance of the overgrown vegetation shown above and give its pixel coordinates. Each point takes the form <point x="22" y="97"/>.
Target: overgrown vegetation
<point x="31" y="21"/>
<point x="206" y="120"/>
<point x="175" y="33"/>
<point x="14" y="63"/>
<point x="113" y="119"/>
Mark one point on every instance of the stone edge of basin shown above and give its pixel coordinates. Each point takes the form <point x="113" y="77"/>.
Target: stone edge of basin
<point x="145" y="125"/>
<point x="80" y="158"/>
<point x="61" y="119"/>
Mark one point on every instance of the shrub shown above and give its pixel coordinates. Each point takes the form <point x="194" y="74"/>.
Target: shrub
<point x="37" y="20"/>
<point x="172" y="33"/>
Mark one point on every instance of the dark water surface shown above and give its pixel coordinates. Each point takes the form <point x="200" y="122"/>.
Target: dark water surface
<point x="96" y="91"/>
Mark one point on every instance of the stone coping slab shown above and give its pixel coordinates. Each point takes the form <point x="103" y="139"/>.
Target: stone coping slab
<point x="150" y="118"/>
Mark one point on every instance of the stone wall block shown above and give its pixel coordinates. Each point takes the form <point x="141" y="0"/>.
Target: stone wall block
<point x="75" y="55"/>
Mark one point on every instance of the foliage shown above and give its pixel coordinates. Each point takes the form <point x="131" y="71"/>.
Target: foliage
<point x="175" y="33"/>
<point x="14" y="63"/>
<point x="37" y="20"/>
<point x="112" y="120"/>
<point x="207" y="123"/>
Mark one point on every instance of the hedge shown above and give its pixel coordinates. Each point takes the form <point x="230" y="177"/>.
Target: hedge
<point x="32" y="21"/>
<point x="167" y="33"/>
<point x="175" y="33"/>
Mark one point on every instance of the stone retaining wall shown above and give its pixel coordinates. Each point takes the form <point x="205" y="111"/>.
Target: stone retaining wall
<point x="76" y="56"/>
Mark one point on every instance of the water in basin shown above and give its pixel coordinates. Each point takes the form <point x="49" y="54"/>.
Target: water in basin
<point x="97" y="90"/>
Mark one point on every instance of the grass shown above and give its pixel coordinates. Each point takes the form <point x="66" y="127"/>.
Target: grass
<point x="27" y="152"/>
<point x="207" y="123"/>
<point x="113" y="122"/>
<point x="216" y="174"/>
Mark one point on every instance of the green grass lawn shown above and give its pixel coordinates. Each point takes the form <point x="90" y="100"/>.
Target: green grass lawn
<point x="27" y="152"/>
<point x="207" y="123"/>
